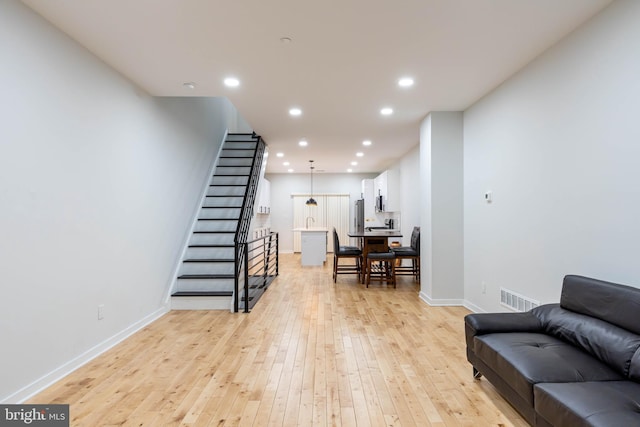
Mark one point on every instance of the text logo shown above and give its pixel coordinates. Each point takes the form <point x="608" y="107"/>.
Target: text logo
<point x="34" y="415"/>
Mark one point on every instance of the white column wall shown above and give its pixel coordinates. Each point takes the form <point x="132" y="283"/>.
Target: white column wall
<point x="558" y="145"/>
<point x="441" y="233"/>
<point x="410" y="191"/>
<point x="426" y="217"/>
<point x="98" y="186"/>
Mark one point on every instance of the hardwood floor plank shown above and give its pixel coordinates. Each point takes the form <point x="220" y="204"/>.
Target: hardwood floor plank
<point x="311" y="353"/>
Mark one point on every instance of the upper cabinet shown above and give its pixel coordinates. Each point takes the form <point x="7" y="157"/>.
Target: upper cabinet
<point x="263" y="201"/>
<point x="387" y="191"/>
<point x="368" y="191"/>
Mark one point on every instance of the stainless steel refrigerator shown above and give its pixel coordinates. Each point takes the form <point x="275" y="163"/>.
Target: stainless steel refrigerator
<point x="358" y="220"/>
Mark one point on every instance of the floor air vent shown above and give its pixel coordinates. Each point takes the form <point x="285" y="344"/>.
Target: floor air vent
<point x="516" y="301"/>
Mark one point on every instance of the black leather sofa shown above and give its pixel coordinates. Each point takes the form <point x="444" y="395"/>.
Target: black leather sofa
<point x="576" y="363"/>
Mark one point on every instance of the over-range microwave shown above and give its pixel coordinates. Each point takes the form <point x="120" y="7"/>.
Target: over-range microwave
<point x="379" y="204"/>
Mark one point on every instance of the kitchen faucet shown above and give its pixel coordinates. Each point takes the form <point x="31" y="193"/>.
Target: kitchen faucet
<point x="307" y="220"/>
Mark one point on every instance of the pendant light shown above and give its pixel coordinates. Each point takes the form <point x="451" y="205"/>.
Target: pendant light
<point x="311" y="201"/>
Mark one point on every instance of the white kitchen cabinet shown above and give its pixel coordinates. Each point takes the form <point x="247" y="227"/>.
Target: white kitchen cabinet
<point x="387" y="185"/>
<point x="263" y="205"/>
<point x="368" y="192"/>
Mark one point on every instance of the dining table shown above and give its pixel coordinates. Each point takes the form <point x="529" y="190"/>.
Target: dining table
<point x="373" y="240"/>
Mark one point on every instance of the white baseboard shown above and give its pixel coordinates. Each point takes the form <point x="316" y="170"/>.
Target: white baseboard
<point x="472" y="307"/>
<point x="57" y="374"/>
<point x="440" y="302"/>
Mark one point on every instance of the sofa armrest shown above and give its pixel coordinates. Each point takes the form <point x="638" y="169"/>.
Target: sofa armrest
<point x="491" y="323"/>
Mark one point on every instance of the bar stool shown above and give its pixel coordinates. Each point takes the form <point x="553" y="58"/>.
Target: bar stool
<point x="387" y="267"/>
<point x="340" y="252"/>
<point x="409" y="252"/>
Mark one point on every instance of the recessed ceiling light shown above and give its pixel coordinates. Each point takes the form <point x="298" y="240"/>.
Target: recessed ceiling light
<point x="405" y="82"/>
<point x="286" y="164"/>
<point x="349" y="170"/>
<point x="285" y="40"/>
<point x="359" y="154"/>
<point x="280" y="154"/>
<point x="354" y="163"/>
<point x="366" y="143"/>
<point x="295" y="111"/>
<point x="386" y="111"/>
<point x="303" y="143"/>
<point x="189" y="85"/>
<point x="289" y="170"/>
<point x="231" y="82"/>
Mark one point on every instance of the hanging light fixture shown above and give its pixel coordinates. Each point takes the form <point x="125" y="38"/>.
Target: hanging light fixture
<point x="311" y="201"/>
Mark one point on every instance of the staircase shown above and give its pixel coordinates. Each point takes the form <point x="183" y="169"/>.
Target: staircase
<point x="206" y="278"/>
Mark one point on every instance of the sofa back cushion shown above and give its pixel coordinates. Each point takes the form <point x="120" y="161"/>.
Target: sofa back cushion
<point x="613" y="303"/>
<point x="609" y="343"/>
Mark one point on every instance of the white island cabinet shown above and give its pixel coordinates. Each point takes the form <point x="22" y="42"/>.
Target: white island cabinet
<point x="313" y="242"/>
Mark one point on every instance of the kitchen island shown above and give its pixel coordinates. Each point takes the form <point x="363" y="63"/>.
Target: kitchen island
<point x="313" y="242"/>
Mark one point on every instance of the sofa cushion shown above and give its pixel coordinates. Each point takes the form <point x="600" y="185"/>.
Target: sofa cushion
<point x="608" y="343"/>
<point x="634" y="370"/>
<point x="524" y="359"/>
<point x="613" y="303"/>
<point x="491" y="323"/>
<point x="589" y="404"/>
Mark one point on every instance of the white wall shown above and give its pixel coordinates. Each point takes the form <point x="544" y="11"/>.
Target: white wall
<point x="441" y="232"/>
<point x="410" y="192"/>
<point x="283" y="185"/>
<point x="98" y="185"/>
<point x="559" y="147"/>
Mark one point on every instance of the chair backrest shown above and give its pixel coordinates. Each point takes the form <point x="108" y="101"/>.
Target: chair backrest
<point x="415" y="239"/>
<point x="336" y="241"/>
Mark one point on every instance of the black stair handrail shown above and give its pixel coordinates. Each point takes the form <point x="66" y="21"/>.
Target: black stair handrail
<point x="260" y="268"/>
<point x="246" y="212"/>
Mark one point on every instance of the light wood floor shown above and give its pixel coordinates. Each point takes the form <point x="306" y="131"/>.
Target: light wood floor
<point x="311" y="353"/>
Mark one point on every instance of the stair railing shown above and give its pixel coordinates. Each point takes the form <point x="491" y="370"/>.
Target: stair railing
<point x="260" y="267"/>
<point x="244" y="223"/>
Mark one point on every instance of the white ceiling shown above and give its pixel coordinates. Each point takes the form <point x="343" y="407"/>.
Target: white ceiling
<point x="340" y="68"/>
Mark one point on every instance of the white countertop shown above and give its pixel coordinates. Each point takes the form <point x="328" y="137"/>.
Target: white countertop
<point x="312" y="229"/>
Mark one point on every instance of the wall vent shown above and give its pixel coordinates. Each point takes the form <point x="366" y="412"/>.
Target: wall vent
<point x="516" y="301"/>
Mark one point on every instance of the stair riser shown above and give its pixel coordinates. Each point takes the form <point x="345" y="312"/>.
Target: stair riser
<point x="212" y="285"/>
<point x="201" y="303"/>
<point x="212" y="239"/>
<point x="223" y="202"/>
<point x="216" y="226"/>
<point x="229" y="180"/>
<point x="206" y="268"/>
<point x="233" y="170"/>
<point x="210" y="253"/>
<point x="237" y="161"/>
<point x="228" y="213"/>
<point x="226" y="191"/>
<point x="244" y="154"/>
<point x="238" y="145"/>
<point x="241" y="137"/>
